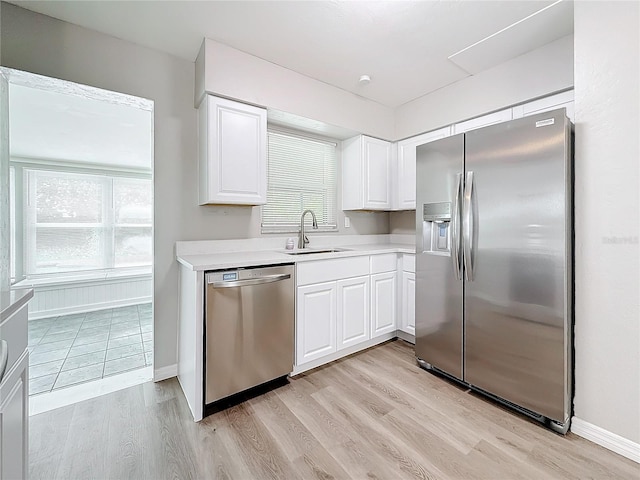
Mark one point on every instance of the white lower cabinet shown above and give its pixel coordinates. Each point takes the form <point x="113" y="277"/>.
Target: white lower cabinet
<point x="383" y="303"/>
<point x="316" y="321"/>
<point x="344" y="305"/>
<point x="353" y="311"/>
<point x="14" y="421"/>
<point x="408" y="303"/>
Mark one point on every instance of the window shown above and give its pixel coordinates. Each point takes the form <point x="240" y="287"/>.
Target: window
<point x="80" y="221"/>
<point x="301" y="175"/>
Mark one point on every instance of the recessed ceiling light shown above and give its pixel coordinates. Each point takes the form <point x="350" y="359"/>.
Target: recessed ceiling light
<point x="364" y="80"/>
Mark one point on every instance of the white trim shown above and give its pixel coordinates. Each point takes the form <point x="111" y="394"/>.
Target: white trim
<point x="164" y="373"/>
<point x="89" y="307"/>
<point x="62" y="280"/>
<point x="298" y="369"/>
<point x="407" y="337"/>
<point x="81" y="168"/>
<point x="77" y="393"/>
<point x="606" y="439"/>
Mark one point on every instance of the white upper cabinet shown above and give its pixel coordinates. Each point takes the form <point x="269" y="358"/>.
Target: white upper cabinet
<point x="379" y="175"/>
<point x="483" y="121"/>
<point x="232" y="150"/>
<point x="552" y="102"/>
<point x="366" y="174"/>
<point x="405" y="182"/>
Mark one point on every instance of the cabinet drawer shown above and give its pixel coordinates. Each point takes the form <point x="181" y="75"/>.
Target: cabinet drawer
<point x="408" y="263"/>
<point x="387" y="262"/>
<point x="14" y="331"/>
<point x="332" y="269"/>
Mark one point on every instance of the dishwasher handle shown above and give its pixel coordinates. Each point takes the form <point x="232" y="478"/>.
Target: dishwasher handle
<point x="249" y="281"/>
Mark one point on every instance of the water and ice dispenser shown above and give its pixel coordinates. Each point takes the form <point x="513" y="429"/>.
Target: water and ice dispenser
<point x="436" y="231"/>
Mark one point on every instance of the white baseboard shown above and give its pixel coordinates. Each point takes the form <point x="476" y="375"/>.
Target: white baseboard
<point x="91" y="307"/>
<point x="407" y="337"/>
<point x="164" y="373"/>
<point x="606" y="439"/>
<point x="298" y="369"/>
<point x="44" y="402"/>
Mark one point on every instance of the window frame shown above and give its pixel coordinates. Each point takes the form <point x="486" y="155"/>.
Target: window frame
<point x="23" y="218"/>
<point x="295" y="228"/>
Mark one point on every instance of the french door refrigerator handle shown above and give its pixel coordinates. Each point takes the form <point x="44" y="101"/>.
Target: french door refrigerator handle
<point x="4" y="357"/>
<point x="455" y="227"/>
<point x="468" y="228"/>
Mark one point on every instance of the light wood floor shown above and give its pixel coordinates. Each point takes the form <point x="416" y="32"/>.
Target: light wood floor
<point x="373" y="415"/>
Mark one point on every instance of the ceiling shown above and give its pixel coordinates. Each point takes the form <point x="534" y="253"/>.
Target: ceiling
<point x="404" y="46"/>
<point x="51" y="125"/>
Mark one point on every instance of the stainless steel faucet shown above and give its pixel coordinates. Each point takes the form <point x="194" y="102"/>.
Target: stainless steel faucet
<point x="303" y="240"/>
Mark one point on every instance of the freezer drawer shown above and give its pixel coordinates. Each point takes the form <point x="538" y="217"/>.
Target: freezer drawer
<point x="249" y="328"/>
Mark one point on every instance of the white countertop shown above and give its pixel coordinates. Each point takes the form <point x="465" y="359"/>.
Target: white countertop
<point x="221" y="260"/>
<point x="12" y="300"/>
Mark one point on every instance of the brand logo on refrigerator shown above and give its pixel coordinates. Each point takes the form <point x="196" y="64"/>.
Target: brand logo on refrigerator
<point x="544" y="123"/>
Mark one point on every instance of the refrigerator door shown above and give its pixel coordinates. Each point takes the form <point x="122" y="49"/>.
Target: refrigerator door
<point x="517" y="238"/>
<point x="439" y="332"/>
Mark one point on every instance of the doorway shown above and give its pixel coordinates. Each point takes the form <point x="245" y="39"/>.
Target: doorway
<point x="81" y="231"/>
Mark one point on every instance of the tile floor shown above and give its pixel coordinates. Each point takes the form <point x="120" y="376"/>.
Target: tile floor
<point x="72" y="349"/>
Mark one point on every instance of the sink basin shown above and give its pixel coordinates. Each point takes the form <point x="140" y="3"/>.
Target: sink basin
<point x="308" y="251"/>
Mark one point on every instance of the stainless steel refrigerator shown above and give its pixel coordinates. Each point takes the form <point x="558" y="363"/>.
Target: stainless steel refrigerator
<point x="494" y="268"/>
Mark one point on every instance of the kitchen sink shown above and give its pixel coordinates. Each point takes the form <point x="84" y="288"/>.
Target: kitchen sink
<point x="308" y="251"/>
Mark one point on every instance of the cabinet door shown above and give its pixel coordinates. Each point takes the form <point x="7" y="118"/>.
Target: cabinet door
<point x="316" y="321"/>
<point x="383" y="303"/>
<point x="14" y="422"/>
<point x="552" y="102"/>
<point x="377" y="173"/>
<point x="409" y="302"/>
<point x="405" y="197"/>
<point x="353" y="311"/>
<point x="233" y="153"/>
<point x="483" y="121"/>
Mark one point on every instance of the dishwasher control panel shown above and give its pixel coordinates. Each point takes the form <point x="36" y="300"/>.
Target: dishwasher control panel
<point x="238" y="274"/>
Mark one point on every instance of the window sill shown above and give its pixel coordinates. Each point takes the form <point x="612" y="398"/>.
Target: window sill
<point x="84" y="277"/>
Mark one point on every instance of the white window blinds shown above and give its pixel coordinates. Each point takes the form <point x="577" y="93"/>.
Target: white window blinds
<point x="301" y="175"/>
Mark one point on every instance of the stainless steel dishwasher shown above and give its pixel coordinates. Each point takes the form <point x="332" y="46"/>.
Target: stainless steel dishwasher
<point x="249" y="329"/>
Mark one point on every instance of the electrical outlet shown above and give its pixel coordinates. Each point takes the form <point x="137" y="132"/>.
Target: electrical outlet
<point x="347" y="222"/>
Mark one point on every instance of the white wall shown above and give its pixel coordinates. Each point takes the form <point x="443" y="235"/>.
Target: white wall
<point x="538" y="73"/>
<point x="403" y="222"/>
<point x="607" y="331"/>
<point x="231" y="73"/>
<point x="4" y="185"/>
<point x="4" y="181"/>
<point x="43" y="45"/>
